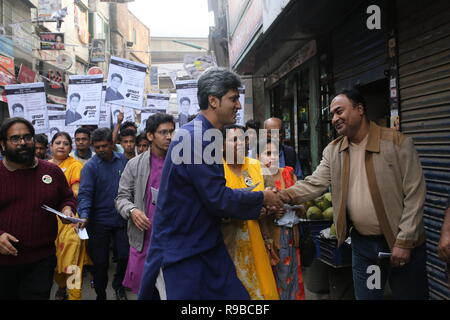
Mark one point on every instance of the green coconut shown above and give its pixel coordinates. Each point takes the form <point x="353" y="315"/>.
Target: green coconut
<point x="314" y="213"/>
<point x="328" y="214"/>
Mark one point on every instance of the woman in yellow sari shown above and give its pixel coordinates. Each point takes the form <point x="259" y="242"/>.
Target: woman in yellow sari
<point x="71" y="251"/>
<point x="243" y="239"/>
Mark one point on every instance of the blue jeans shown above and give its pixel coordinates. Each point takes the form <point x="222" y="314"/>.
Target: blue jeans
<point x="407" y="283"/>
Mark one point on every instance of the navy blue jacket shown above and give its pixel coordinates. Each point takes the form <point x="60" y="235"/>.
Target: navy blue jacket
<point x="98" y="188"/>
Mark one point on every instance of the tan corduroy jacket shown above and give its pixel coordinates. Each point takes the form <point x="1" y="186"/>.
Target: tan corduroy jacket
<point x="396" y="184"/>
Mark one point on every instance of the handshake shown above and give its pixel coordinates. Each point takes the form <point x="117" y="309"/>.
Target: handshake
<point x="273" y="202"/>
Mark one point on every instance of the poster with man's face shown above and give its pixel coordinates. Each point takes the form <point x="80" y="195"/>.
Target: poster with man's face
<point x="126" y="82"/>
<point x="187" y="100"/>
<point x="28" y="101"/>
<point x="84" y="99"/>
<point x="128" y="114"/>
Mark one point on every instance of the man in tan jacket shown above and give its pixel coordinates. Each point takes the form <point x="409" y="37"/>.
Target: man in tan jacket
<point x="378" y="192"/>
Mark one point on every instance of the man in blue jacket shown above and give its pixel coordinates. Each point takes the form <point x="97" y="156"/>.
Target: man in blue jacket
<point x="187" y="258"/>
<point x="98" y="188"/>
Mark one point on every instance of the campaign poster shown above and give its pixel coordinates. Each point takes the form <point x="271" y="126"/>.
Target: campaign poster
<point x="51" y="41"/>
<point x="84" y="99"/>
<point x="157" y="100"/>
<point x="105" y="112"/>
<point x="240" y="114"/>
<point x="156" y="103"/>
<point x="28" y="101"/>
<point x="126" y="82"/>
<point x="98" y="50"/>
<point x="128" y="114"/>
<point x="187" y="100"/>
<point x="48" y="10"/>
<point x="57" y="122"/>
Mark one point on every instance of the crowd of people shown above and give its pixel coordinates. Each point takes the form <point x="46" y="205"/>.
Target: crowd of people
<point x="199" y="229"/>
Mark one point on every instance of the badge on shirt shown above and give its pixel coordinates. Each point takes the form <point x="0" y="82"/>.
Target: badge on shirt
<point x="247" y="179"/>
<point x="47" y="179"/>
<point x="154" y="195"/>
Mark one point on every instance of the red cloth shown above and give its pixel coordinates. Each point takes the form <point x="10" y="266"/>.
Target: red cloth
<point x="22" y="193"/>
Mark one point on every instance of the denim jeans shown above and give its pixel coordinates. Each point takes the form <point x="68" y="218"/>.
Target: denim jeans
<point x="407" y="283"/>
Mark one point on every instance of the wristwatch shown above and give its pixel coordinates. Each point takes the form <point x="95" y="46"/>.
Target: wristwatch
<point x="131" y="210"/>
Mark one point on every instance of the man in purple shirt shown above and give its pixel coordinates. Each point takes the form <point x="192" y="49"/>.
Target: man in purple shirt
<point x="136" y="197"/>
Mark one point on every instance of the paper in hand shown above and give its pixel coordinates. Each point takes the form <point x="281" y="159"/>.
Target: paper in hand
<point x="62" y="215"/>
<point x="82" y="233"/>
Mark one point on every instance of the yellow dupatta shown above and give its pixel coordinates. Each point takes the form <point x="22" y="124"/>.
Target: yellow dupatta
<point x="266" y="287"/>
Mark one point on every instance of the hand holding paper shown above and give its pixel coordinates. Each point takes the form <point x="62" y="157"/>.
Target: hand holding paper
<point x="67" y="217"/>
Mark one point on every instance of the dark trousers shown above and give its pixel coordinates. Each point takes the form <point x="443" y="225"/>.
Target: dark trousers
<point x="31" y="281"/>
<point x="99" y="248"/>
<point x="407" y="283"/>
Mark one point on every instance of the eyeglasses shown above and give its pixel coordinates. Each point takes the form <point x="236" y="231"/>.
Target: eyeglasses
<point x="165" y="132"/>
<point x="16" y="139"/>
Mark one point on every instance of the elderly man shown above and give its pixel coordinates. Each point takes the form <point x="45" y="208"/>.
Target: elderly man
<point x="378" y="191"/>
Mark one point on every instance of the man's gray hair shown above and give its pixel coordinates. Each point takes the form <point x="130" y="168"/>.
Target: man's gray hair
<point x="216" y="82"/>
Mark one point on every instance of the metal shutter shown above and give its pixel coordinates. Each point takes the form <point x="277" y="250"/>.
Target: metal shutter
<point x="424" y="75"/>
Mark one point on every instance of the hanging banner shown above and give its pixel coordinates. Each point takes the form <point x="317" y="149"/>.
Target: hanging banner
<point x="7" y="72"/>
<point x="81" y="24"/>
<point x="28" y="101"/>
<point x="51" y="41"/>
<point x="128" y="114"/>
<point x="26" y="75"/>
<point x="84" y="99"/>
<point x="126" y="82"/>
<point x="48" y="10"/>
<point x="105" y="112"/>
<point x="98" y="51"/>
<point x="187" y="100"/>
<point x="240" y="114"/>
